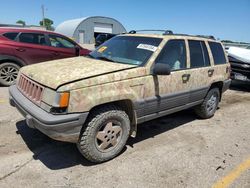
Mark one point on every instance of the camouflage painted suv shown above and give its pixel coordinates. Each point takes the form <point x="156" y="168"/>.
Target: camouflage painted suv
<point x="98" y="101"/>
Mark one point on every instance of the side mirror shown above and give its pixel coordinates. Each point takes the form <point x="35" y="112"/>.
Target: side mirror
<point x="161" y="69"/>
<point x="77" y="51"/>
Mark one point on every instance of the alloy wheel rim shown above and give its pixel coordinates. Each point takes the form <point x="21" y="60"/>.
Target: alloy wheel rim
<point x="8" y="73"/>
<point x="212" y="103"/>
<point x="108" y="136"/>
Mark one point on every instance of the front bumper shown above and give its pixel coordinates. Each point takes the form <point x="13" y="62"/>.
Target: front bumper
<point x="234" y="76"/>
<point x="59" y="127"/>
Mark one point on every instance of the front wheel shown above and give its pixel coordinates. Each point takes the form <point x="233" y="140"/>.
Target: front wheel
<point x="8" y="73"/>
<point x="209" y="105"/>
<point x="105" y="134"/>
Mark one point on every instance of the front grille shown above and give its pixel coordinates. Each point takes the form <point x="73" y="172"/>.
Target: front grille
<point x="30" y="89"/>
<point x="241" y="68"/>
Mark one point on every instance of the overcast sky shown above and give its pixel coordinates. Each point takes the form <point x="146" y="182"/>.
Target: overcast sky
<point x="225" y="19"/>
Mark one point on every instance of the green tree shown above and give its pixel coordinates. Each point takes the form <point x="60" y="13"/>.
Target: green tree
<point x="21" y="22"/>
<point x="47" y="24"/>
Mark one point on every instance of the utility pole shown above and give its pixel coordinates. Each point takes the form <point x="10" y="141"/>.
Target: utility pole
<point x="43" y="16"/>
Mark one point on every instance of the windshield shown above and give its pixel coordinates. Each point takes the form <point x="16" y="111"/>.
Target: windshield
<point x="127" y="49"/>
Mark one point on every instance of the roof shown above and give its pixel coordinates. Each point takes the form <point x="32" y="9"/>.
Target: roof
<point x="68" y="27"/>
<point x="18" y="29"/>
<point x="172" y="36"/>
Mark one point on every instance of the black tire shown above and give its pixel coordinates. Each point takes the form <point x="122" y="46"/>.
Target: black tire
<point x="8" y="73"/>
<point x="209" y="105"/>
<point x="89" y="144"/>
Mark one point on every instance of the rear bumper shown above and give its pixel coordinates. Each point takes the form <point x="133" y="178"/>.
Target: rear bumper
<point x="226" y="85"/>
<point x="59" y="127"/>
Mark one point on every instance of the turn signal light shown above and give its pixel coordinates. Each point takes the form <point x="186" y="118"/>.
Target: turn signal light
<point x="64" y="100"/>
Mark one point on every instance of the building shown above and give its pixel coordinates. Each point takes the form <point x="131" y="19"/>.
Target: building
<point x="85" y="30"/>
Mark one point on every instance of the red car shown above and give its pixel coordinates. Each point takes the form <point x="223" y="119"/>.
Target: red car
<point x="21" y="46"/>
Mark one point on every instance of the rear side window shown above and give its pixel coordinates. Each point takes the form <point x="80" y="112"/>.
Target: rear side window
<point x="173" y="54"/>
<point x="32" y="38"/>
<point x="198" y="54"/>
<point x="218" y="53"/>
<point x="11" y="36"/>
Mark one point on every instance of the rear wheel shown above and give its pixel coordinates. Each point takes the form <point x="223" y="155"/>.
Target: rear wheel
<point x="8" y="73"/>
<point x="105" y="135"/>
<point x="209" y="105"/>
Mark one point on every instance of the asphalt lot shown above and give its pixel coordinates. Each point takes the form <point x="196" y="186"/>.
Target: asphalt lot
<point x="174" y="151"/>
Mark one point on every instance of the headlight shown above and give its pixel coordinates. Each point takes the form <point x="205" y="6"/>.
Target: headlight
<point x="55" y="99"/>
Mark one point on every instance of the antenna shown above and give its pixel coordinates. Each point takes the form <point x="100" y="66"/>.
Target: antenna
<point x="43" y="15"/>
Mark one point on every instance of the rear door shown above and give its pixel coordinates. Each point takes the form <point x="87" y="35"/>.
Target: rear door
<point x="32" y="48"/>
<point x="201" y="71"/>
<point x="61" y="47"/>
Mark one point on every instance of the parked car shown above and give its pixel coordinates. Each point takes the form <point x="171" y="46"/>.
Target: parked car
<point x="101" y="38"/>
<point x="97" y="101"/>
<point x="20" y="47"/>
<point x="239" y="59"/>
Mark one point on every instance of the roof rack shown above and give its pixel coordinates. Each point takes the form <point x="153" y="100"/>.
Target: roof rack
<point x="206" y="36"/>
<point x="169" y="32"/>
<point x="201" y="36"/>
<point x="165" y="32"/>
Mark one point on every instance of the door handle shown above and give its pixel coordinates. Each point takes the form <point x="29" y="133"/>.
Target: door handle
<point x="56" y="53"/>
<point x="21" y="49"/>
<point x="185" y="78"/>
<point x="210" y="72"/>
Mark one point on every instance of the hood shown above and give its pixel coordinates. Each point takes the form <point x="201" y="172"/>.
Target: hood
<point x="58" y="72"/>
<point x="240" y="54"/>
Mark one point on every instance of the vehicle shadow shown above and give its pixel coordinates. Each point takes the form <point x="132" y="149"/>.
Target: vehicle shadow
<point x="59" y="155"/>
<point x="240" y="86"/>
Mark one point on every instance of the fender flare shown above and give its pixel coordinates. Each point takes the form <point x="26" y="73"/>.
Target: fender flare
<point x="20" y="62"/>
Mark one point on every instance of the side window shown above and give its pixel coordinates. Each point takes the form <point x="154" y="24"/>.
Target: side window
<point x="218" y="53"/>
<point x="32" y="38"/>
<point x="173" y="54"/>
<point x="198" y="54"/>
<point x="60" y="42"/>
<point x="11" y="36"/>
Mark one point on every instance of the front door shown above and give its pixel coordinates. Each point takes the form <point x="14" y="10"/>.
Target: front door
<point x="171" y="91"/>
<point x="61" y="47"/>
<point x="81" y="37"/>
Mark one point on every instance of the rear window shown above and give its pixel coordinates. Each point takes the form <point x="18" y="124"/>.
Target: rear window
<point x="101" y="37"/>
<point x="218" y="53"/>
<point x="11" y="36"/>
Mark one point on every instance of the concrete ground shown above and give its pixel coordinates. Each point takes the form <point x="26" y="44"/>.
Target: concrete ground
<point x="174" y="151"/>
<point x="88" y="46"/>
